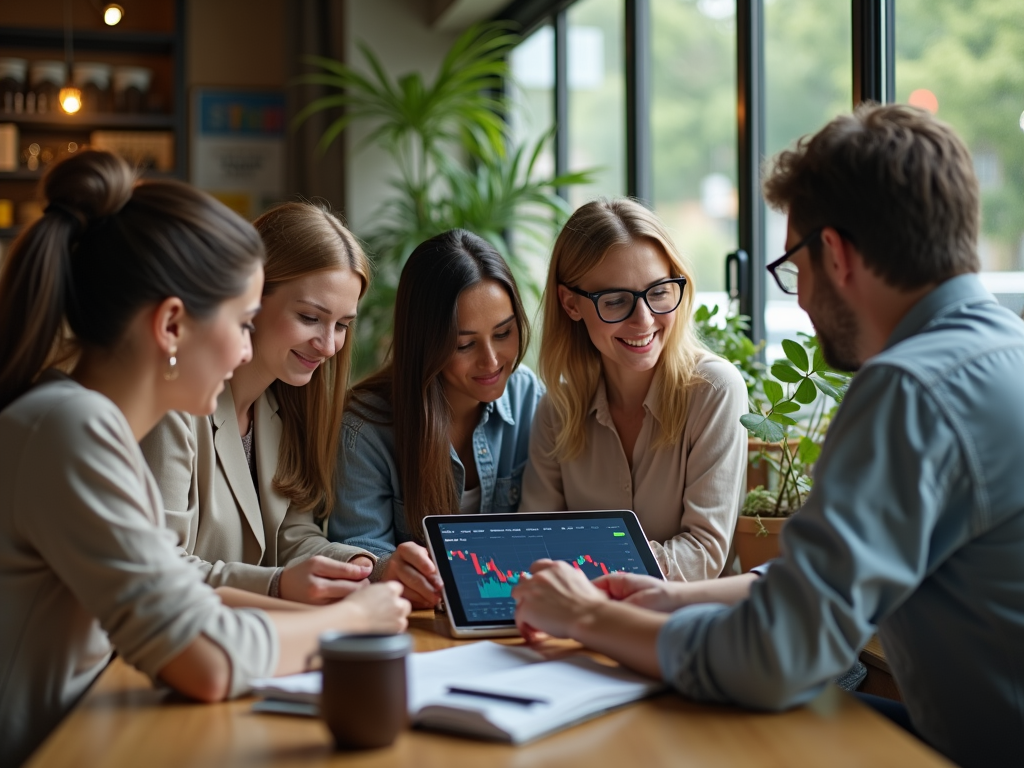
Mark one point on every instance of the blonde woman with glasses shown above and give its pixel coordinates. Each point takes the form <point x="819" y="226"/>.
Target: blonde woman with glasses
<point x="638" y="414"/>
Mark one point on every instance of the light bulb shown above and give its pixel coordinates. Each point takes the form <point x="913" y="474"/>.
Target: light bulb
<point x="112" y="14"/>
<point x="70" y="99"/>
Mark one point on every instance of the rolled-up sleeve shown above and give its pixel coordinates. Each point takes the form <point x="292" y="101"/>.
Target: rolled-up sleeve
<point x="102" y="536"/>
<point x="852" y="555"/>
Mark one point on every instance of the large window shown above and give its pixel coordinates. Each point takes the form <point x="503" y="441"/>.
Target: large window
<point x="693" y="122"/>
<point x="964" y="61"/>
<point x="597" y="97"/>
<point x="808" y="81"/>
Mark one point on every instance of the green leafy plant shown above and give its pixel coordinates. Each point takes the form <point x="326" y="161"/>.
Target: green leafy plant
<point x="456" y="166"/>
<point x="727" y="337"/>
<point x="798" y="397"/>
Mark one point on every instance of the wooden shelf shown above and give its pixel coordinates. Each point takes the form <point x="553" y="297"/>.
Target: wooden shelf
<point x="88" y="40"/>
<point x="88" y="120"/>
<point x="24" y="174"/>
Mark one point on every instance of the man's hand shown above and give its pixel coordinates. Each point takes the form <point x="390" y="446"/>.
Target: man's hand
<point x="320" y="580"/>
<point x="554" y="598"/>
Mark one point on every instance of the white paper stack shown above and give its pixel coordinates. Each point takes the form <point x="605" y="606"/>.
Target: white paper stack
<point x="486" y="690"/>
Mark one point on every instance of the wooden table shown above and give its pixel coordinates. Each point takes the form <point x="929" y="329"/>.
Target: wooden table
<point x="123" y="721"/>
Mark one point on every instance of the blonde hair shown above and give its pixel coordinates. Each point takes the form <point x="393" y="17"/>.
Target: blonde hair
<point x="301" y="239"/>
<point x="570" y="364"/>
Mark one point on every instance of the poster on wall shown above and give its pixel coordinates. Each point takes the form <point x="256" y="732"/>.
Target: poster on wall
<point x="238" y="147"/>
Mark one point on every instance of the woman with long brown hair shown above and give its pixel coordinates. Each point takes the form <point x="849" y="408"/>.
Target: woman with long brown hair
<point x="157" y="284"/>
<point x="444" y="427"/>
<point x="247" y="488"/>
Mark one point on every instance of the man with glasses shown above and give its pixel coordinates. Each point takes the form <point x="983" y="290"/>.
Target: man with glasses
<point x="915" y="527"/>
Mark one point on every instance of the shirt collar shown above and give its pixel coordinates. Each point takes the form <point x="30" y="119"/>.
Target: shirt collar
<point x="599" y="402"/>
<point x="502" y="406"/>
<point x="955" y="292"/>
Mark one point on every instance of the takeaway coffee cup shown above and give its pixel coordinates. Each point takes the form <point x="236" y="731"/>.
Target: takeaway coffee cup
<point x="363" y="700"/>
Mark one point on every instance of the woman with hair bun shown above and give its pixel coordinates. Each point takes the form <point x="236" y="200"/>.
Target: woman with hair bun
<point x="156" y="285"/>
<point x="444" y="427"/>
<point x="247" y="487"/>
<point x="638" y="415"/>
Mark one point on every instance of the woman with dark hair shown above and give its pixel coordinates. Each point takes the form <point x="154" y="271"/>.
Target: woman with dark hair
<point x="444" y="427"/>
<point x="247" y="487"/>
<point x="155" y="285"/>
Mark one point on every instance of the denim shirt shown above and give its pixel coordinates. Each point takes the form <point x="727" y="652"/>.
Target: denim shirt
<point x="369" y="508"/>
<point x="914" y="530"/>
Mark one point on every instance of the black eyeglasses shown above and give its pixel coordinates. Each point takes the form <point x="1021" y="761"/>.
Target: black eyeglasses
<point x="784" y="271"/>
<point x="617" y="304"/>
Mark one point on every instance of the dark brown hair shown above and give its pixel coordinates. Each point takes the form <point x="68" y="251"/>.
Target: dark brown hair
<point x="106" y="247"/>
<point x="425" y="338"/>
<point x="301" y="239"/>
<point x="896" y="181"/>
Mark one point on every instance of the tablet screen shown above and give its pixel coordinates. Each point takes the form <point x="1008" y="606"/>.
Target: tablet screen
<point x="481" y="560"/>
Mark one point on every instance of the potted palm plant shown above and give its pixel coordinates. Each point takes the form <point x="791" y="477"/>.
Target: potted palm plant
<point x="456" y="166"/>
<point x="790" y="415"/>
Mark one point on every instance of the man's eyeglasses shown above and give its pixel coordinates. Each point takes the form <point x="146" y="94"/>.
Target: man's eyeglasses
<point x="785" y="271"/>
<point x="617" y="304"/>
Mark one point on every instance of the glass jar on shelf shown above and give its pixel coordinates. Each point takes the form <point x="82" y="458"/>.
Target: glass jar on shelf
<point x="93" y="79"/>
<point x="131" y="88"/>
<point x="45" y="79"/>
<point x="12" y="84"/>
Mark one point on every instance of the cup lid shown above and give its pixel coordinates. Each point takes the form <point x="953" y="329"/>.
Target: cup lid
<point x="341" y="646"/>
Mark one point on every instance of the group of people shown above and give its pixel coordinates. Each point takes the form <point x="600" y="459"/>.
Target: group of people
<point x="188" y="479"/>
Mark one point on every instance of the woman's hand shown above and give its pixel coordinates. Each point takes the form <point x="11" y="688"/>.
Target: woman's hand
<point x="668" y="596"/>
<point x="378" y="609"/>
<point x="554" y="598"/>
<point x="645" y="591"/>
<point x="320" y="580"/>
<point x="411" y="566"/>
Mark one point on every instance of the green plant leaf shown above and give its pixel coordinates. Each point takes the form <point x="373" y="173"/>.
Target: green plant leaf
<point x="763" y="428"/>
<point x="787" y="406"/>
<point x="796" y="354"/>
<point x="780" y="418"/>
<point x="827" y="389"/>
<point x="805" y="393"/>
<point x="773" y="391"/>
<point x="808" y="451"/>
<point x="783" y="370"/>
<point x="819" y="363"/>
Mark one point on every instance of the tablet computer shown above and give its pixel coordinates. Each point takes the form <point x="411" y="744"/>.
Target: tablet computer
<point x="480" y="557"/>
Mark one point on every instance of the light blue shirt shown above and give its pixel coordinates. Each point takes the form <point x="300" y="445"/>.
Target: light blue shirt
<point x="369" y="509"/>
<point x="914" y="530"/>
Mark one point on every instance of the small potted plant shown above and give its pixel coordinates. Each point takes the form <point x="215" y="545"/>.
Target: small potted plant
<point x="789" y="417"/>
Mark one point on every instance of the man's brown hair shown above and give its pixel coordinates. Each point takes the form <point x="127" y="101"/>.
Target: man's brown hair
<point x="895" y="181"/>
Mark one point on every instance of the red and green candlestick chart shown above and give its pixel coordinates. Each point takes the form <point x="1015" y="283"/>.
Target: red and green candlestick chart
<point x="497" y="582"/>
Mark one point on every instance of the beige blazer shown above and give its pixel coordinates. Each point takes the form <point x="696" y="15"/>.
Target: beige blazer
<point x="237" y="538"/>
<point x="687" y="495"/>
<point x="87" y="566"/>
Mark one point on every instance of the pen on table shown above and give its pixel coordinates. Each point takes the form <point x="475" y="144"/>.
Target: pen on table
<point x="511" y="699"/>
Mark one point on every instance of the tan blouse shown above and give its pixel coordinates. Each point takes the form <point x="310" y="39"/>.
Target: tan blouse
<point x="87" y="565"/>
<point x="238" y="534"/>
<point x="687" y="495"/>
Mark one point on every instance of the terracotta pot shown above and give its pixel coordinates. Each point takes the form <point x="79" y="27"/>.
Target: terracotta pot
<point x="752" y="548"/>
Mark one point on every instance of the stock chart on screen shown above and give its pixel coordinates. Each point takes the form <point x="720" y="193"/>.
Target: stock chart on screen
<point x="488" y="559"/>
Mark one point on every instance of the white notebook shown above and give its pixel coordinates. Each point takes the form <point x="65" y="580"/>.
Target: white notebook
<point x="499" y="692"/>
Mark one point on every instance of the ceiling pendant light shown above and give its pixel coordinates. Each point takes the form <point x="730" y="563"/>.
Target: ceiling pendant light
<point x="70" y="97"/>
